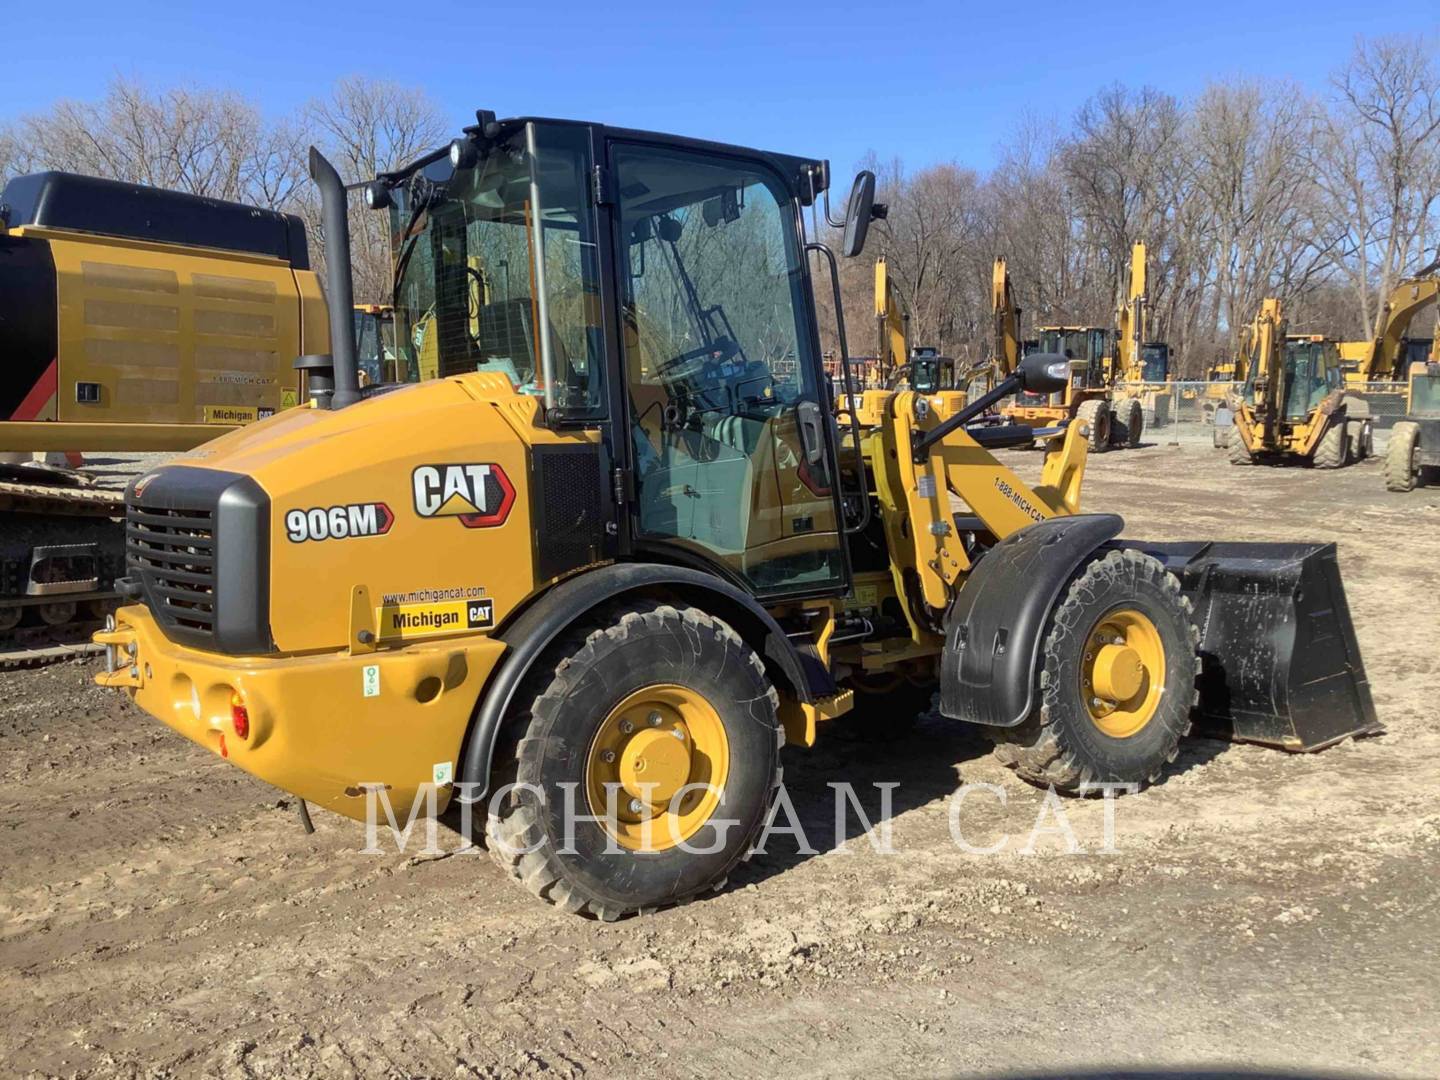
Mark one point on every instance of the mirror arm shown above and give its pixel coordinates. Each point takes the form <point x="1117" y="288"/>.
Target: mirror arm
<point x="820" y="249"/>
<point x="1003" y="389"/>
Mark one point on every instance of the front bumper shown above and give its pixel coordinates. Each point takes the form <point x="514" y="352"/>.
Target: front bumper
<point x="323" y="727"/>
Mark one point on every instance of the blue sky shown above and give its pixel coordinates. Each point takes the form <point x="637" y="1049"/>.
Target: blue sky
<point x="927" y="81"/>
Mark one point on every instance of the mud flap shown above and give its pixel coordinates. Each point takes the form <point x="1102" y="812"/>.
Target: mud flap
<point x="1280" y="663"/>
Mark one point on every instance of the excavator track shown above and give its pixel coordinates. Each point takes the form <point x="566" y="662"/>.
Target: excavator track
<point x="50" y="621"/>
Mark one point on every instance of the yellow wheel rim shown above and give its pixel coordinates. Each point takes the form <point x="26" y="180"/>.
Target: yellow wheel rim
<point x="1123" y="672"/>
<point x="664" y="754"/>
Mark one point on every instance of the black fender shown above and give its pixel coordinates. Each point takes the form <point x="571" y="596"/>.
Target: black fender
<point x="996" y="623"/>
<point x="532" y="631"/>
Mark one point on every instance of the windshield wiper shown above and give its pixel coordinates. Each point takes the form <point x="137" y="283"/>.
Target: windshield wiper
<point x="423" y="195"/>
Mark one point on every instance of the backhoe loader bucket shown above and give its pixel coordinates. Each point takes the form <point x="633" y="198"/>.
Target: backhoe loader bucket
<point x="1280" y="663"/>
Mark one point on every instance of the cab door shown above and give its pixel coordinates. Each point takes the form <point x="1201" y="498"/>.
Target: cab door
<point x="731" y="444"/>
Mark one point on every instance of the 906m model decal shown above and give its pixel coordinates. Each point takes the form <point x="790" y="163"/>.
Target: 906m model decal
<point x="338" y="522"/>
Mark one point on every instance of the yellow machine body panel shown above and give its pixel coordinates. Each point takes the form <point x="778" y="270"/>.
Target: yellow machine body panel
<point x="431" y="455"/>
<point x="400" y="534"/>
<point x="323" y="726"/>
<point x="183" y="341"/>
<point x="181" y="335"/>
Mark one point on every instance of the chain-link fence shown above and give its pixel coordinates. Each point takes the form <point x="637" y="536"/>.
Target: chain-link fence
<point x="1186" y="412"/>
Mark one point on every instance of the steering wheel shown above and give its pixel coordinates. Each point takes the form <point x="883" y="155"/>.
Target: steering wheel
<point x="723" y="349"/>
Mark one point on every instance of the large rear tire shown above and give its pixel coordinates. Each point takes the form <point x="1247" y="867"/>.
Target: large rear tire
<point x="645" y="702"/>
<point x="1118" y="684"/>
<point x="1334" y="449"/>
<point x="1239" y="454"/>
<point x="1401" y="469"/>
<point x="1095" y="414"/>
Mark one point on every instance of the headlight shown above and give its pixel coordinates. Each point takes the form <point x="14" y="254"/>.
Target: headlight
<point x="463" y="154"/>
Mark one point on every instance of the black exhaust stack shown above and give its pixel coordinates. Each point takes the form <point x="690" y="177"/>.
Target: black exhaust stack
<point x="339" y="289"/>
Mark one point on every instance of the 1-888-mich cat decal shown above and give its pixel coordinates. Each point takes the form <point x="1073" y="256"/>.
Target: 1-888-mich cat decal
<point x="480" y="495"/>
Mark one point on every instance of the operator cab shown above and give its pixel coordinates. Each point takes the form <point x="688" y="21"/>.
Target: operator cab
<point x="654" y="288"/>
<point x="1154" y="362"/>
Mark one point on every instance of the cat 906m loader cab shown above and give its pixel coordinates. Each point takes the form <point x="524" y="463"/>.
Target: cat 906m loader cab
<point x="626" y="546"/>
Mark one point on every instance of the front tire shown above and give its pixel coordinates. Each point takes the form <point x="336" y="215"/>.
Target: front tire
<point x="1095" y="414"/>
<point x="1401" y="470"/>
<point x="1118" y="683"/>
<point x="662" y="696"/>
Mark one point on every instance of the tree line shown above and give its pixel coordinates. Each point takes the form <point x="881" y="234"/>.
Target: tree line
<point x="219" y="144"/>
<point x="1252" y="188"/>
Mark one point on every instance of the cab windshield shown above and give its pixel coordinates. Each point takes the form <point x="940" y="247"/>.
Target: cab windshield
<point x="1312" y="370"/>
<point x="496" y="269"/>
<point x="1155" y="362"/>
<point x="1425" y="392"/>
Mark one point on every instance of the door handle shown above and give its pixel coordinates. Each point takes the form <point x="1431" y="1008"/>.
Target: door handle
<point x="812" y="438"/>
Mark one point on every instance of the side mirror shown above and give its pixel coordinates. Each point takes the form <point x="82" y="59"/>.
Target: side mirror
<point x="858" y="213"/>
<point x="1043" y="373"/>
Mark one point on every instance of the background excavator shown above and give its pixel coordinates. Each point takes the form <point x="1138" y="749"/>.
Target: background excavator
<point x="630" y="563"/>
<point x="1139" y="368"/>
<point x="1390" y="353"/>
<point x="1292" y="405"/>
<point x="131" y="320"/>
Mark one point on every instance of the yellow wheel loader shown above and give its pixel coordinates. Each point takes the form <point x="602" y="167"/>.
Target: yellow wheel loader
<point x="1085" y="398"/>
<point x="1293" y="406"/>
<point x="595" y="576"/>
<point x="134" y="320"/>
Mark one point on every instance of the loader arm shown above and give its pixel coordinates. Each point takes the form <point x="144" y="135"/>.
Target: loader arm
<point x="959" y="492"/>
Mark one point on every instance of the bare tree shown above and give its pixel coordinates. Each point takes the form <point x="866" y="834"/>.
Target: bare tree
<point x="367" y="126"/>
<point x="200" y="141"/>
<point x="1377" y="155"/>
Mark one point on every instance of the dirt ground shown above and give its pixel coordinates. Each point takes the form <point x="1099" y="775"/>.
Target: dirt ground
<point x="162" y="913"/>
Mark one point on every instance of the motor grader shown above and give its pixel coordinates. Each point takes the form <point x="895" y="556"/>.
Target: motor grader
<point x="626" y="546"/>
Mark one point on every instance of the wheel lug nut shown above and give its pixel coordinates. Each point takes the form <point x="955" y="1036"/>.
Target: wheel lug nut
<point x="626" y="726"/>
<point x="608" y="756"/>
<point x="636" y="806"/>
<point x="678" y="734"/>
<point x="654" y="719"/>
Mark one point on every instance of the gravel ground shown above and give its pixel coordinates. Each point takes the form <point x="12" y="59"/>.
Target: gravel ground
<point x="163" y="913"/>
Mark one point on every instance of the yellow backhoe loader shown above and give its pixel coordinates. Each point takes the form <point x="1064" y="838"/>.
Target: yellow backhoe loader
<point x="625" y="548"/>
<point x="1293" y="406"/>
<point x="133" y="320"/>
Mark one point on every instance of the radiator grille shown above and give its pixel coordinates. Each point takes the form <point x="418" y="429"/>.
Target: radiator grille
<point x="173" y="553"/>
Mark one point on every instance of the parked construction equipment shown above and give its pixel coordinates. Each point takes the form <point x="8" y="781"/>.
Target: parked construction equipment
<point x="1392" y="351"/>
<point x="1293" y="406"/>
<point x="1139" y="368"/>
<point x="626" y="547"/>
<point x="1413" y="452"/>
<point x="131" y="319"/>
